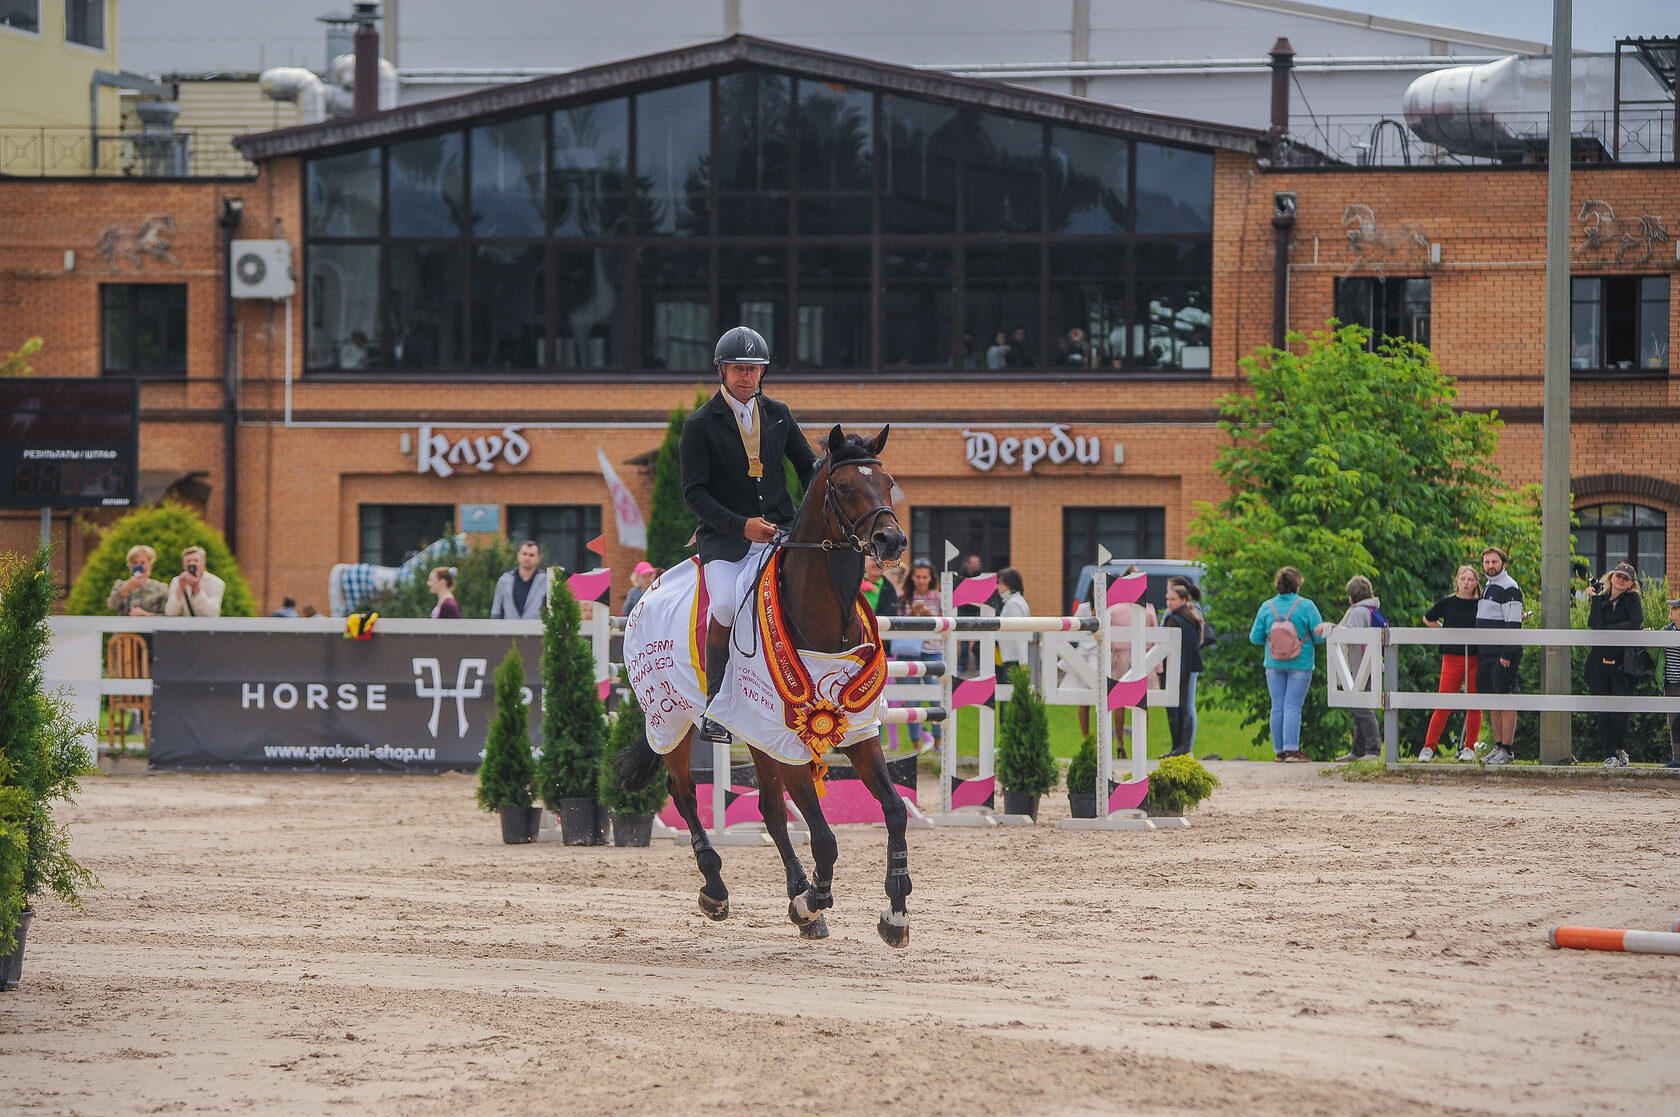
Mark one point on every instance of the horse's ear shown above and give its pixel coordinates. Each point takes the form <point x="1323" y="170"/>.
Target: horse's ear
<point x="880" y="441"/>
<point x="836" y="442"/>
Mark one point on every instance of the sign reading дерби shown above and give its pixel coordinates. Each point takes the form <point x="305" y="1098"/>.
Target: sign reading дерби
<point x="986" y="451"/>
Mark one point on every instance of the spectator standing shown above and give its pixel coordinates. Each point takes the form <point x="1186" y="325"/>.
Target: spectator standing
<point x="1458" y="662"/>
<point x="1501" y="607"/>
<point x="522" y="591"/>
<point x="1671" y="682"/>
<point x="1183" y="615"/>
<point x="288" y="608"/>
<point x="1020" y="356"/>
<point x="442" y="583"/>
<point x="140" y="595"/>
<point x="1289" y="659"/>
<point x="997" y="354"/>
<point x="1614" y="605"/>
<point x="921" y="600"/>
<point x="640" y="579"/>
<point x="1364" y="611"/>
<point x="1014" y="647"/>
<point x="1119" y="654"/>
<point x="194" y="592"/>
<point x="968" y="651"/>
<point x="877" y="589"/>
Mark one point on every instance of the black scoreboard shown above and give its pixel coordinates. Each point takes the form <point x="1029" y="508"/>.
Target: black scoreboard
<point x="69" y="442"/>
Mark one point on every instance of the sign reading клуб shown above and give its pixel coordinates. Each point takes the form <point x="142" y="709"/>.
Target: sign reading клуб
<point x="482" y="452"/>
<point x="986" y="451"/>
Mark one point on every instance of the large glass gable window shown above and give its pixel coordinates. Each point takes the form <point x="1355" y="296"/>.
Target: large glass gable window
<point x="859" y="230"/>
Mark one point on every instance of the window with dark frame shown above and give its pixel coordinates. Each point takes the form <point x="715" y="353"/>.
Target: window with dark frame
<point x="391" y="534"/>
<point x="84" y="23"/>
<point x="1618" y="323"/>
<point x="1391" y="307"/>
<point x="143" y="329"/>
<point x="1610" y="533"/>
<point x="1128" y="533"/>
<point x="983" y="531"/>
<point x="627" y="232"/>
<point x="562" y="531"/>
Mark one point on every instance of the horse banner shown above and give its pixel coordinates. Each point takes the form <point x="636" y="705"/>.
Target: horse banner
<point x="632" y="529"/>
<point x="312" y="701"/>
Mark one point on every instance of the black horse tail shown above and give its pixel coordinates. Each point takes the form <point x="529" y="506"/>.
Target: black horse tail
<point x="636" y="764"/>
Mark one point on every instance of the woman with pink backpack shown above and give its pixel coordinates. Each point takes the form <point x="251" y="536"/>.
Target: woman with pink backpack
<point x="1288" y="625"/>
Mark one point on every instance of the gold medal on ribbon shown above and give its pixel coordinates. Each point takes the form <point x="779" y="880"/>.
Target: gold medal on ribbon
<point x="749" y="442"/>
<point x="755" y="468"/>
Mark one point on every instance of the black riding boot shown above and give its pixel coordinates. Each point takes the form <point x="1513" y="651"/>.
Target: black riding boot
<point x="717" y="661"/>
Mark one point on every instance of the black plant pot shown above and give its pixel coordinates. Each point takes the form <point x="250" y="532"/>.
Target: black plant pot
<point x="1018" y="802"/>
<point x="11" y="965"/>
<point x="536" y="817"/>
<point x="632" y="829"/>
<point x="578" y="823"/>
<point x="1082" y="804"/>
<point x="516" y="825"/>
<point x="604" y="823"/>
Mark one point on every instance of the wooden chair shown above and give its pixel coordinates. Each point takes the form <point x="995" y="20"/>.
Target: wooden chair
<point x="126" y="657"/>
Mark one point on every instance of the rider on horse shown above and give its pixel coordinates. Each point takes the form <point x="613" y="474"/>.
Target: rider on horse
<point x="733" y="448"/>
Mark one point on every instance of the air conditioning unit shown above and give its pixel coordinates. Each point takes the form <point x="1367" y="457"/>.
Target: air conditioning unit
<point x="262" y="269"/>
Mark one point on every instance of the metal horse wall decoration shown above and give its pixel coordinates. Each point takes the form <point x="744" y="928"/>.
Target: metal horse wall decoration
<point x="1603" y="229"/>
<point x="152" y="237"/>
<point x="1377" y="243"/>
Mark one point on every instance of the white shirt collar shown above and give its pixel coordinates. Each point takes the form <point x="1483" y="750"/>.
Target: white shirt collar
<point x="744" y="412"/>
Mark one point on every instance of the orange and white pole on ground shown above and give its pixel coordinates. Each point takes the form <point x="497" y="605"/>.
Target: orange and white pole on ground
<point x="1600" y="938"/>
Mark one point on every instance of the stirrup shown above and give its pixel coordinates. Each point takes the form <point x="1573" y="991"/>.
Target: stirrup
<point x="713" y="733"/>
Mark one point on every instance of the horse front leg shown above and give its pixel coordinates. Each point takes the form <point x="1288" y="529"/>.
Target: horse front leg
<point x="871" y="767"/>
<point x="810" y="904"/>
<point x="773" y="808"/>
<point x="714" y="896"/>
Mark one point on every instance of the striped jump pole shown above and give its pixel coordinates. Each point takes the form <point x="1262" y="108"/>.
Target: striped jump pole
<point x="1601" y="938"/>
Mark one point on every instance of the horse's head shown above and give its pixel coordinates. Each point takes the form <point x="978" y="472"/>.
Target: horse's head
<point x="857" y="496"/>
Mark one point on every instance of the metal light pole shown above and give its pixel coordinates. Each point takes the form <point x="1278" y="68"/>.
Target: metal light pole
<point x="1554" y="477"/>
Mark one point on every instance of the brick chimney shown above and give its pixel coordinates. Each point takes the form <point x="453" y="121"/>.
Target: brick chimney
<point x="366" y="95"/>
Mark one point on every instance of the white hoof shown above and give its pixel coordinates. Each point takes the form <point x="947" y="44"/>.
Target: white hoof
<point x="800" y="909"/>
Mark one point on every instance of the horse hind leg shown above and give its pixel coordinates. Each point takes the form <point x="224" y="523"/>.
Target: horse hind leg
<point x="871" y="767"/>
<point x="714" y="895"/>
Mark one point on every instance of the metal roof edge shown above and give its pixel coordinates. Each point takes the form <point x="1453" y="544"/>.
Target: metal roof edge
<point x="1458" y="35"/>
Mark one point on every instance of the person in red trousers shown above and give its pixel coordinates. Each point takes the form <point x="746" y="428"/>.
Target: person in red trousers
<point x="1458" y="663"/>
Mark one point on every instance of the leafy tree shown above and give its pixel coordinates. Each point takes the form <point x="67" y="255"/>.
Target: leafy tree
<point x="41" y="754"/>
<point x="17" y="364"/>
<point x="504" y="779"/>
<point x="477" y="567"/>
<point x="168" y="528"/>
<point x="1024" y="763"/>
<point x="670" y="522"/>
<point x="574" y="722"/>
<point x="628" y="732"/>
<point x="1344" y="461"/>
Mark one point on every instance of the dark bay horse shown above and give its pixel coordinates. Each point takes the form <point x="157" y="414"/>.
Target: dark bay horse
<point x="847" y="513"/>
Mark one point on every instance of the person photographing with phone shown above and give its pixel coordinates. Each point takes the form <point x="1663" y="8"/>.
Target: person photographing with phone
<point x="1615" y="606"/>
<point x="194" y="592"/>
<point x="138" y="595"/>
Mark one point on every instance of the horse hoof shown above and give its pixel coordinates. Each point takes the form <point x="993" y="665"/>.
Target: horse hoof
<point x="716" y="910"/>
<point x="799" y="911"/>
<point x="816" y="929"/>
<point x="894" y="928"/>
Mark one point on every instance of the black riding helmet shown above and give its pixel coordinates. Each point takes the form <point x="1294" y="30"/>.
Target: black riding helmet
<point x="741" y="346"/>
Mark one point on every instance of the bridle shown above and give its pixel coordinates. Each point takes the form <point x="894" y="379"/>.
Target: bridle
<point x="857" y="532"/>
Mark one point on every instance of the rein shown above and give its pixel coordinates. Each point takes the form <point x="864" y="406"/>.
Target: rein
<point x="854" y="532"/>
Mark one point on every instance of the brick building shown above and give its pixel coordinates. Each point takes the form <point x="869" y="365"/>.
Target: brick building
<point x="556" y="258"/>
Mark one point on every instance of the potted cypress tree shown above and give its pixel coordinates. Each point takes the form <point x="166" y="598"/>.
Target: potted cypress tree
<point x="42" y="759"/>
<point x="574" y="722"/>
<point x="1024" y="765"/>
<point x="504" y="779"/>
<point x="1177" y="785"/>
<point x="1082" y="780"/>
<point x="632" y="811"/>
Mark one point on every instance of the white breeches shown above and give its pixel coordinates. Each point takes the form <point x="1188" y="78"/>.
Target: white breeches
<point x="727" y="583"/>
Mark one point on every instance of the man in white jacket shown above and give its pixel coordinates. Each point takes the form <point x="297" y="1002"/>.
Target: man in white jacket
<point x="194" y="592"/>
<point x="521" y="592"/>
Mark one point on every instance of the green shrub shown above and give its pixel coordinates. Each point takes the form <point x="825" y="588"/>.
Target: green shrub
<point x="476" y="570"/>
<point x="628" y="732"/>
<point x="169" y="529"/>
<point x="1024" y="764"/>
<point x="1082" y="770"/>
<point x="41" y="753"/>
<point x="574" y="722"/>
<point x="504" y="779"/>
<point x="1178" y="784"/>
<point x="670" y="521"/>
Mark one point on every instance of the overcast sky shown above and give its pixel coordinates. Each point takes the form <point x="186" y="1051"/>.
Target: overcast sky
<point x="1597" y="23"/>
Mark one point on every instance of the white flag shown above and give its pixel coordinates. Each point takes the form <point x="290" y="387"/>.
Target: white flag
<point x="632" y="529"/>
